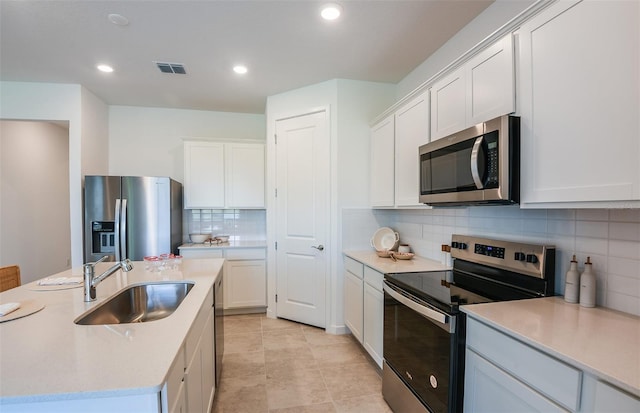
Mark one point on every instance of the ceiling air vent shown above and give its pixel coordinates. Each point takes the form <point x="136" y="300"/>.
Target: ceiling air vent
<point x="177" y="68"/>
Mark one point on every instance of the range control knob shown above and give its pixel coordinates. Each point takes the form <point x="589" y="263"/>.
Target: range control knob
<point x="454" y="244"/>
<point x="462" y="246"/>
<point x="532" y="258"/>
<point x="519" y="256"/>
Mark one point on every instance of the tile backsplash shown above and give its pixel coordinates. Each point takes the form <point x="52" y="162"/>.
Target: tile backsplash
<point x="610" y="237"/>
<point x="240" y="224"/>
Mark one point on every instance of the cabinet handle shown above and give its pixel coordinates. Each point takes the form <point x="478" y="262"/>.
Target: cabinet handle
<point x="318" y="247"/>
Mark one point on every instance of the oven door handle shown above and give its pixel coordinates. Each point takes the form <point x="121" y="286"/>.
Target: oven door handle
<point x="441" y="319"/>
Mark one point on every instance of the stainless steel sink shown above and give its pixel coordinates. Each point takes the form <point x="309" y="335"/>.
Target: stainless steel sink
<point x="138" y="304"/>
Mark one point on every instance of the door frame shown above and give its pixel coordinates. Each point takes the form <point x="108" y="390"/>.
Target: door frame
<point x="330" y="284"/>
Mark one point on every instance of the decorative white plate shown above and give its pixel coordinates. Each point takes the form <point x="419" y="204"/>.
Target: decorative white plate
<point x="385" y="239"/>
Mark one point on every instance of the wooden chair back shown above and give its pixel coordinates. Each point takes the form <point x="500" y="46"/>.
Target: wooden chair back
<point x="9" y="277"/>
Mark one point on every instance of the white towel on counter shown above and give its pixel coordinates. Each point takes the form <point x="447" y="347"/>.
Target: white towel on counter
<point x="8" y="308"/>
<point x="60" y="281"/>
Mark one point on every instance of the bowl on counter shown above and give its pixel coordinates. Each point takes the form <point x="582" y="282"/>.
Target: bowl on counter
<point x="402" y="255"/>
<point x="198" y="238"/>
<point x="222" y="237"/>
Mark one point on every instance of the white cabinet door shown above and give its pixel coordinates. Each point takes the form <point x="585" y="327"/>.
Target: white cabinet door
<point x="491" y="82"/>
<point x="608" y="398"/>
<point x="208" y="363"/>
<point x="448" y="105"/>
<point x="203" y="175"/>
<point x="193" y="381"/>
<point x="579" y="88"/>
<point x="353" y="304"/>
<point x="411" y="131"/>
<point x="245" y="169"/>
<point x="489" y="389"/>
<point x="373" y="322"/>
<point x="482" y="89"/>
<point x="245" y="284"/>
<point x="382" y="163"/>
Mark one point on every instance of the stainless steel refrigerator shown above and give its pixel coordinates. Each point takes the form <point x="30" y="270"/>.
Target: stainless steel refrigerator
<point x="131" y="217"/>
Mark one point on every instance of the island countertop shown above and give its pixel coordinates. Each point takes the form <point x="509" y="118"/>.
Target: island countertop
<point x="46" y="357"/>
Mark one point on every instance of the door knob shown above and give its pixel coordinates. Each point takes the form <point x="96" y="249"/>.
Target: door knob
<point x="319" y="247"/>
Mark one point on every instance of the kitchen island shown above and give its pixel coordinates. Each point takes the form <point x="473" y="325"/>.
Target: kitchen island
<point x="48" y="363"/>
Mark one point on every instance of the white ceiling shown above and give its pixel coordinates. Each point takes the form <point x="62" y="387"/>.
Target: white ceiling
<point x="285" y="45"/>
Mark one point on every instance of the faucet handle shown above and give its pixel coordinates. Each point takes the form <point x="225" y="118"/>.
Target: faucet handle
<point x="90" y="265"/>
<point x="100" y="260"/>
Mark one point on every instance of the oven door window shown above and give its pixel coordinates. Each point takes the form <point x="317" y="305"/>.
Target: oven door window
<point x="420" y="352"/>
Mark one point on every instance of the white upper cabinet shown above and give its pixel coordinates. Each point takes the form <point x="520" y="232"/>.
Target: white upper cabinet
<point x="245" y="168"/>
<point x="382" y="163"/>
<point x="490" y="82"/>
<point x="203" y="175"/>
<point x="448" y="105"/>
<point x="480" y="90"/>
<point x="411" y="131"/>
<point x="579" y="97"/>
<point x="224" y="175"/>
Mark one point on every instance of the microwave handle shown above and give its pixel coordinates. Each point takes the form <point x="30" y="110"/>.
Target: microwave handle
<point x="475" y="173"/>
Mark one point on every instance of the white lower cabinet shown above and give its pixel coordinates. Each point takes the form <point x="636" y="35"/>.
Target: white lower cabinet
<point x="364" y="306"/>
<point x="245" y="275"/>
<point x="353" y="304"/>
<point x="245" y="278"/>
<point x="490" y="389"/>
<point x="503" y="374"/>
<point x="373" y="309"/>
<point x="190" y="385"/>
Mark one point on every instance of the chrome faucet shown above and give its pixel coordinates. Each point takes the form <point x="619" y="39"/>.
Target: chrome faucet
<point x="91" y="281"/>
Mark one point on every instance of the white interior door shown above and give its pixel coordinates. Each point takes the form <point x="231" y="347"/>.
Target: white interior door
<point x="302" y="181"/>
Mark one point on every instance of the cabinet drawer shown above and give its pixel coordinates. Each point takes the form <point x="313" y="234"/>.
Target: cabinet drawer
<point x="200" y="253"/>
<point x="549" y="376"/>
<point x="354" y="267"/>
<point x="373" y="278"/>
<point x="245" y="254"/>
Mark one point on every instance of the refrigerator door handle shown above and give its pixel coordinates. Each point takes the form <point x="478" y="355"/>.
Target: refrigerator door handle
<point x="123" y="230"/>
<point x="117" y="230"/>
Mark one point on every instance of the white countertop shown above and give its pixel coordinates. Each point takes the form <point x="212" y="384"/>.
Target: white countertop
<point x="388" y="266"/>
<point x="45" y="356"/>
<point x="230" y="244"/>
<point x="600" y="341"/>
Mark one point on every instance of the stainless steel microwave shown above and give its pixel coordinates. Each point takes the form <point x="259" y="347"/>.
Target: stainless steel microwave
<point x="479" y="165"/>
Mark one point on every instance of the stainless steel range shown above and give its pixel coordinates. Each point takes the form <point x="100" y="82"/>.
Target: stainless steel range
<point x="424" y="330"/>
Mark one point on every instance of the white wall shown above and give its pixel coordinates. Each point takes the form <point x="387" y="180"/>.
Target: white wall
<point x="148" y="141"/>
<point x="610" y="237"/>
<point x="34" y="193"/>
<point x="48" y="101"/>
<point x="490" y="20"/>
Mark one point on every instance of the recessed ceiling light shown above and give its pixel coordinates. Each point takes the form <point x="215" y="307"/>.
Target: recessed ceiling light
<point x="105" y="68"/>
<point x="331" y="11"/>
<point x="240" y="69"/>
<point x="118" y="19"/>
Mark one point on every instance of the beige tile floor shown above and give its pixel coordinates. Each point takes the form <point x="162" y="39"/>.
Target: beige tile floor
<point x="278" y="366"/>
